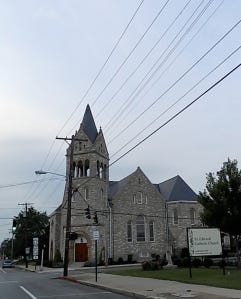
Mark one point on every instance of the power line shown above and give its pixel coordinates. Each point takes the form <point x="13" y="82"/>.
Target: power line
<point x="152" y="71"/>
<point x="95" y="79"/>
<point x="177" y="114"/>
<point x="144" y="59"/>
<point x="25" y="183"/>
<point x="177" y="101"/>
<point x="131" y="52"/>
<point x="178" y="80"/>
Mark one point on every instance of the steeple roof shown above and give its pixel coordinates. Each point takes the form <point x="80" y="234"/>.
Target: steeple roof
<point x="88" y="125"/>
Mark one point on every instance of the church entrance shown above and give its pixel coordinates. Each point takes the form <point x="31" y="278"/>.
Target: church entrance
<point x="81" y="252"/>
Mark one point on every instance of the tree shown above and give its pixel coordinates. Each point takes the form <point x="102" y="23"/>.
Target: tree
<point x="29" y="225"/>
<point x="222" y="201"/>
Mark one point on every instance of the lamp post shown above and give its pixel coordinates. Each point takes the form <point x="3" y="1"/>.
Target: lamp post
<point x="38" y="172"/>
<point x="68" y="214"/>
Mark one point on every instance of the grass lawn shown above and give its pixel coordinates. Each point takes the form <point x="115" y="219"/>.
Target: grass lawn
<point x="211" y="277"/>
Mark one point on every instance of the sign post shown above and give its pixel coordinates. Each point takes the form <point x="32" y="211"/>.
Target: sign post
<point x="203" y="242"/>
<point x="96" y="236"/>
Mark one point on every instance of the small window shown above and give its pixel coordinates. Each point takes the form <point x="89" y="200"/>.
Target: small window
<point x="192" y="215"/>
<point x="86" y="193"/>
<point x="175" y="216"/>
<point x="129" y="231"/>
<point x="151" y="230"/>
<point x="139" y="198"/>
<point x="134" y="198"/>
<point x="140" y="229"/>
<point x="101" y="194"/>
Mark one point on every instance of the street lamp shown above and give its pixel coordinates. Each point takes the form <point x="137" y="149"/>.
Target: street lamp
<point x="38" y="172"/>
<point x="68" y="214"/>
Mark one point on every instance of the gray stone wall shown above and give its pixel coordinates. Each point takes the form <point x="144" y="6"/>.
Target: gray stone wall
<point x="125" y="209"/>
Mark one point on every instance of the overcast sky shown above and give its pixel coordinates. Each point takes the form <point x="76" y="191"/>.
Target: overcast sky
<point x="131" y="61"/>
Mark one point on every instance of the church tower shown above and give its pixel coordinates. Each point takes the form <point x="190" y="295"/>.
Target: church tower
<point x="90" y="185"/>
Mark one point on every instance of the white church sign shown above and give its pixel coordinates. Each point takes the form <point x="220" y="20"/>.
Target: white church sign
<point x="204" y="241"/>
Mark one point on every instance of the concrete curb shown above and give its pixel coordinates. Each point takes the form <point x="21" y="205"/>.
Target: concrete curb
<point x="106" y="288"/>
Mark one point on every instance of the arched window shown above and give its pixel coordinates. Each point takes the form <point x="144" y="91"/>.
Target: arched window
<point x="192" y="215"/>
<point x="140" y="228"/>
<point x="101" y="170"/>
<point x="151" y="230"/>
<point x="129" y="231"/>
<point x="74" y="170"/>
<point x="175" y="216"/>
<point x="80" y="169"/>
<point x="86" y="193"/>
<point x="101" y="194"/>
<point x="98" y="168"/>
<point x="105" y="171"/>
<point x="87" y="167"/>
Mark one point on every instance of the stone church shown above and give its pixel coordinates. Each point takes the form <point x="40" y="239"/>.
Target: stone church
<point x="132" y="219"/>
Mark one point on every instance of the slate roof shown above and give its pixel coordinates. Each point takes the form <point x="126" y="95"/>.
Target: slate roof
<point x="88" y="125"/>
<point x="175" y="189"/>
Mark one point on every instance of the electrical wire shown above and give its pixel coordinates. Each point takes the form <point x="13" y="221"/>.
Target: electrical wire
<point x="131" y="52"/>
<point x="177" y="101"/>
<point x="154" y="68"/>
<point x="177" y="114"/>
<point x="178" y="80"/>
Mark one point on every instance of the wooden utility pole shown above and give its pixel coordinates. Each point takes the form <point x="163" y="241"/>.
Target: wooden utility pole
<point x="25" y="230"/>
<point x="68" y="214"/>
<point x="70" y="193"/>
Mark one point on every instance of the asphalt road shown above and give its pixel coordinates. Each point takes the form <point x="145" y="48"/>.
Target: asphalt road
<point x="19" y="284"/>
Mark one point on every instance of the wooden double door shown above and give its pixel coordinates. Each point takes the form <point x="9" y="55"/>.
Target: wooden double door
<point x="81" y="252"/>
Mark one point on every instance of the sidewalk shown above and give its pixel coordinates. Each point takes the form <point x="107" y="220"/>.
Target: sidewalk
<point x="138" y="287"/>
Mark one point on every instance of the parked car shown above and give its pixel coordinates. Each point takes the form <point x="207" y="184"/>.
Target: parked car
<point x="7" y="264"/>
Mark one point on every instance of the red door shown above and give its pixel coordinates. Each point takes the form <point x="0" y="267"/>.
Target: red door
<point x="81" y="252"/>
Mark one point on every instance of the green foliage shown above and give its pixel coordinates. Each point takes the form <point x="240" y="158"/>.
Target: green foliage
<point x="57" y="257"/>
<point x="222" y="199"/>
<point x="29" y="225"/>
<point x="207" y="263"/>
<point x="204" y="276"/>
<point x="197" y="263"/>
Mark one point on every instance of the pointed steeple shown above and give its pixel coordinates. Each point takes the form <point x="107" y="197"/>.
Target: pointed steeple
<point x="88" y="125"/>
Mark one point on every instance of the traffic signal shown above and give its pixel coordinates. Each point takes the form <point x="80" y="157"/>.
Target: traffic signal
<point x="73" y="236"/>
<point x="87" y="212"/>
<point x="14" y="224"/>
<point x="95" y="218"/>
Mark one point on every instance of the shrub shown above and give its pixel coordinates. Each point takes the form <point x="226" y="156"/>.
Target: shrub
<point x="146" y="265"/>
<point x="177" y="262"/>
<point x="185" y="262"/>
<point x="185" y="252"/>
<point x="89" y="263"/>
<point x="197" y="263"/>
<point x="57" y="257"/>
<point x="130" y="258"/>
<point x="120" y="260"/>
<point x="207" y="262"/>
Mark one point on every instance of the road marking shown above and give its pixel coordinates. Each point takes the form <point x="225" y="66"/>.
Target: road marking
<point x="74" y="295"/>
<point x="28" y="293"/>
<point x="3" y="270"/>
<point x="10" y="281"/>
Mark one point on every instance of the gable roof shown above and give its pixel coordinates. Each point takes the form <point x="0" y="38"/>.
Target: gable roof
<point x="175" y="189"/>
<point x="88" y="125"/>
<point x="115" y="186"/>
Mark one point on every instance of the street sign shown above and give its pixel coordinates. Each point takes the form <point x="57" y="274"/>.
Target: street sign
<point x="96" y="235"/>
<point x="35" y="248"/>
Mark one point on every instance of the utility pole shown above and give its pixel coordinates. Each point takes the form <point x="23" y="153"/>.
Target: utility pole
<point x="68" y="214"/>
<point x="70" y="193"/>
<point x="25" y="229"/>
